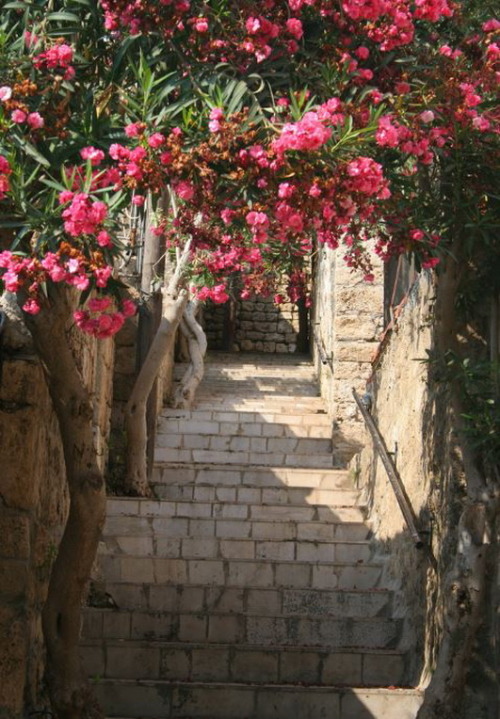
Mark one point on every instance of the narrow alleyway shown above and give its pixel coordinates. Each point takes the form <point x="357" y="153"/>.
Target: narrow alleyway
<point x="249" y="588"/>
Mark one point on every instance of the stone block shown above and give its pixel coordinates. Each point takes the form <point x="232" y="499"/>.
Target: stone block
<point x="255" y="666"/>
<point x="342" y="668"/>
<point x="129" y="662"/>
<point x="211" y="664"/>
<point x="226" y="629"/>
<point x="175" y="664"/>
<point x="237" y="549"/>
<point x="301" y="667"/>
<point x="249" y="573"/>
<point x="192" y="628"/>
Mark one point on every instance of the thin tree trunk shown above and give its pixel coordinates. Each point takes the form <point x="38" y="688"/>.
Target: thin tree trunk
<point x="136" y="478"/>
<point x="197" y="345"/>
<point x="135" y="411"/>
<point x="69" y="690"/>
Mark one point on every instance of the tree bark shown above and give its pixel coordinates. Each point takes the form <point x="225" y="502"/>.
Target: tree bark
<point x="61" y="617"/>
<point x="135" y="411"/>
<point x="197" y="345"/>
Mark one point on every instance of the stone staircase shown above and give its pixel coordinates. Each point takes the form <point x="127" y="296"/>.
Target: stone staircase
<point x="248" y="589"/>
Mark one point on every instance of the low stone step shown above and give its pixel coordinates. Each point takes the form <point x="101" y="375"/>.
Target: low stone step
<point x="221" y="428"/>
<point x="216" y="548"/>
<point x="235" y="511"/>
<point x="255" y="495"/>
<point x="249" y="457"/>
<point x="275" y="404"/>
<point x="217" y="416"/>
<point x="286" y="602"/>
<point x="183" y="700"/>
<point x="239" y="572"/>
<point x="166" y="529"/>
<point x="241" y="443"/>
<point x="297" y="631"/>
<point x="222" y="476"/>
<point x="123" y="659"/>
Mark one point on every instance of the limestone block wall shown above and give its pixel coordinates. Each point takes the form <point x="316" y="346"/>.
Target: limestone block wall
<point x="404" y="408"/>
<point x="34" y="505"/>
<point x="347" y="323"/>
<point x="253" y="325"/>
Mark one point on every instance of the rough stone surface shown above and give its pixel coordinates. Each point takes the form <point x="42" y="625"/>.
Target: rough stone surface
<point x="34" y="503"/>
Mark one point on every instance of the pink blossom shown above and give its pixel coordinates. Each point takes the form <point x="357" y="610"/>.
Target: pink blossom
<point x="104" y="239"/>
<point x="134" y="129"/>
<point x="93" y="154"/>
<point x="138" y="200"/>
<point x="18" y="116"/>
<point x="201" y="24"/>
<point x="98" y="304"/>
<point x="491" y="25"/>
<point x="184" y="190"/>
<point x="5" y="93"/>
<point x="35" y="120"/>
<point x="32" y="306"/>
<point x="156" y="140"/>
<point x="427" y="116"/>
<point x="129" y="308"/>
<point x="294" y="27"/>
<point x="102" y="275"/>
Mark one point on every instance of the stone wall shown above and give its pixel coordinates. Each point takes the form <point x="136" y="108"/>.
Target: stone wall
<point x="347" y="323"/>
<point x="253" y="325"/>
<point x="34" y="505"/>
<point x="402" y="409"/>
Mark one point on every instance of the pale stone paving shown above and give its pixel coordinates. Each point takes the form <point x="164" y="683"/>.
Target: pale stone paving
<point x="248" y="589"/>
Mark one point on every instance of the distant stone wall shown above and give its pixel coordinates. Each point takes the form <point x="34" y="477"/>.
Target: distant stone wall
<point x="34" y="505"/>
<point x="347" y="323"/>
<point x="253" y="325"/>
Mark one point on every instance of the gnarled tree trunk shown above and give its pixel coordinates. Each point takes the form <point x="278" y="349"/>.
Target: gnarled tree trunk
<point x="69" y="690"/>
<point x="197" y="346"/>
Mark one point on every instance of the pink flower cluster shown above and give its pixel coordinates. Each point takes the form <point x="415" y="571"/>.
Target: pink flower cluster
<point x="217" y="294"/>
<point x="5" y="171"/>
<point x="83" y="216"/>
<point x="101" y="318"/>
<point x="57" y="57"/>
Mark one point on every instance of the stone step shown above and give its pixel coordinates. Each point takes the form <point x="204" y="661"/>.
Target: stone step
<point x="255" y="495"/>
<point x="235" y="511"/>
<point x="267" y="574"/>
<point x="297" y="631"/>
<point x="172" y="661"/>
<point x="220" y="428"/>
<point x="233" y="443"/>
<point x="271" y="404"/>
<point x="189" y="700"/>
<point x="286" y="602"/>
<point x="239" y="384"/>
<point x="167" y="529"/>
<point x="212" y="418"/>
<point x="216" y="548"/>
<point x="241" y="476"/>
<point x="165" y="455"/>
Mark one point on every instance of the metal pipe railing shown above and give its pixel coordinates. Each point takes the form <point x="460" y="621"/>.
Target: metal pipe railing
<point x="392" y="472"/>
<point x="324" y="358"/>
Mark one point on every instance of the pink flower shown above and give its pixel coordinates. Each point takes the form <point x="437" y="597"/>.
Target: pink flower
<point x="138" y="200"/>
<point x="294" y="27"/>
<point x="32" y="306"/>
<point x="18" y="116"/>
<point x="156" y="140"/>
<point x="134" y="129"/>
<point x="102" y="275"/>
<point x="201" y="24"/>
<point x="427" y="116"/>
<point x="35" y="120"/>
<point x="129" y="308"/>
<point x="98" y="304"/>
<point x="93" y="154"/>
<point x="184" y="190"/>
<point x="5" y="93"/>
<point x="104" y="239"/>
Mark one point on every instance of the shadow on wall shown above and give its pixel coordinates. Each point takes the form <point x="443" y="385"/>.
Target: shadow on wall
<point x="259" y="569"/>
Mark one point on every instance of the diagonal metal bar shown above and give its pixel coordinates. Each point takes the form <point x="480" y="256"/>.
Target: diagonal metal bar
<point x="393" y="474"/>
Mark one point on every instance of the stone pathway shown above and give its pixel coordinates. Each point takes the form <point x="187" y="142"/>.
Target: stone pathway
<point x="249" y="589"/>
